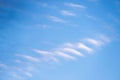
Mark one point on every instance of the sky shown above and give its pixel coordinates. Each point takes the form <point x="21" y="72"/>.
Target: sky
<point x="59" y="40"/>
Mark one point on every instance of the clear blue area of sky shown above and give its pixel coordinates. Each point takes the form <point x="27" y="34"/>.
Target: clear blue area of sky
<point x="26" y="25"/>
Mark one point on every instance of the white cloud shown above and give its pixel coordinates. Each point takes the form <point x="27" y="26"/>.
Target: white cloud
<point x="18" y="61"/>
<point x="42" y="25"/>
<point x="91" y="17"/>
<point x="69" y="45"/>
<point x="83" y="46"/>
<point x="44" y="4"/>
<point x="20" y="74"/>
<point x="104" y="39"/>
<point x="75" y="5"/>
<point x="56" y="19"/>
<point x="59" y="53"/>
<point x="68" y="49"/>
<point x="3" y="65"/>
<point x="15" y="75"/>
<point x="67" y="13"/>
<point x="47" y="55"/>
<point x="30" y="58"/>
<point x="42" y="52"/>
<point x="94" y="42"/>
<point x="28" y="74"/>
<point x="94" y="0"/>
<point x="73" y="51"/>
<point x="101" y="40"/>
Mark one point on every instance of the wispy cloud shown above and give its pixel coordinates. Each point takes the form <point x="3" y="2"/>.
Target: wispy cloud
<point x="73" y="51"/>
<point x="42" y="25"/>
<point x="56" y="19"/>
<point x="68" y="44"/>
<point x="15" y="75"/>
<point x="43" y="4"/>
<point x="22" y="71"/>
<point x="104" y="39"/>
<point x="67" y="13"/>
<point x="75" y="5"/>
<point x="30" y="58"/>
<point x="93" y="41"/>
<point x="59" y="53"/>
<point x="47" y="55"/>
<point x="20" y="74"/>
<point x="99" y="41"/>
<point x="3" y="65"/>
<point x="83" y="46"/>
<point x="91" y="17"/>
<point x="42" y="52"/>
<point x="94" y="0"/>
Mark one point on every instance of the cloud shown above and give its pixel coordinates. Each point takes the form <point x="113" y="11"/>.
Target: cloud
<point x="56" y="19"/>
<point x="83" y="46"/>
<point x="30" y="58"/>
<point x="15" y="75"/>
<point x="69" y="45"/>
<point x="43" y="4"/>
<point x="28" y="74"/>
<point x="42" y="25"/>
<point x="104" y="39"/>
<point x="3" y="65"/>
<point x="68" y="49"/>
<point x="94" y="42"/>
<point x="42" y="52"/>
<point x="47" y="55"/>
<point x="94" y="0"/>
<point x="75" y="5"/>
<point x="73" y="51"/>
<point x="91" y="17"/>
<point x="59" y="53"/>
<point x="67" y="13"/>
<point x="99" y="41"/>
<point x="22" y="71"/>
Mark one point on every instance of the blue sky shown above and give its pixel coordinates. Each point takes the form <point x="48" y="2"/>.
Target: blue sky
<point x="59" y="40"/>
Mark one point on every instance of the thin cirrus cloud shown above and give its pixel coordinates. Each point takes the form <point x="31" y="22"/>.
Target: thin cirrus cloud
<point x="93" y="41"/>
<point x="62" y="54"/>
<point x="105" y="39"/>
<point x="42" y="25"/>
<point x="56" y="19"/>
<point x="3" y="65"/>
<point x="29" y="58"/>
<point x="94" y="0"/>
<point x="85" y="47"/>
<point x="22" y="71"/>
<point x="67" y="13"/>
<point x="102" y="40"/>
<point x="42" y="52"/>
<point x="71" y="50"/>
<point x="74" y="5"/>
<point x="68" y="51"/>
<point x="76" y="49"/>
<point x="46" y="55"/>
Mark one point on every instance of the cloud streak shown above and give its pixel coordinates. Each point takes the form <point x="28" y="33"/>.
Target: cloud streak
<point x="46" y="54"/>
<point x="65" y="55"/>
<point x="93" y="41"/>
<point x="73" y="51"/>
<point x="3" y="65"/>
<point x="56" y="19"/>
<point x="75" y="5"/>
<point x="67" y="13"/>
<point x="30" y="58"/>
<point x="83" y="46"/>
